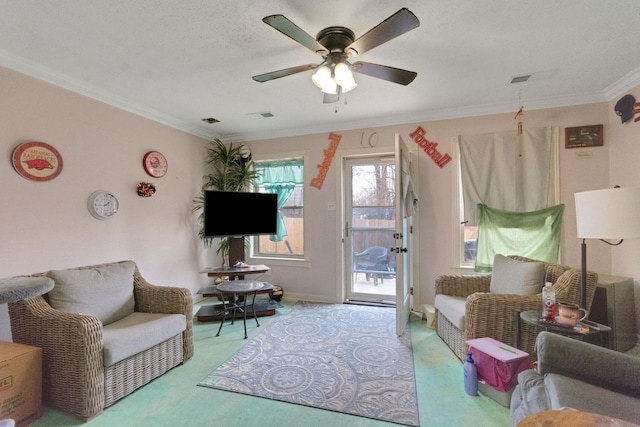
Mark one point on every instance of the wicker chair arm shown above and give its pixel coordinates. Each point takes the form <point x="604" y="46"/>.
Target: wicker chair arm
<point x="461" y="285"/>
<point x="162" y="299"/>
<point x="71" y="349"/>
<point x="166" y="300"/>
<point x="498" y="316"/>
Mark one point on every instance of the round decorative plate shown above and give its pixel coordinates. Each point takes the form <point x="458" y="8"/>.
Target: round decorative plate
<point x="37" y="161"/>
<point x="155" y="164"/>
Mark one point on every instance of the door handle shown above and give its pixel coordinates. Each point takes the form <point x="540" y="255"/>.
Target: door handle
<point x="398" y="250"/>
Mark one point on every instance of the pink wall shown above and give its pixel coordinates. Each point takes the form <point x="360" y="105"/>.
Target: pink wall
<point x="625" y="152"/>
<point x="436" y="194"/>
<point x="46" y="225"/>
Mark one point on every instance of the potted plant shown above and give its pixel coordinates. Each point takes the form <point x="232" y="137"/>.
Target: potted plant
<point x="229" y="169"/>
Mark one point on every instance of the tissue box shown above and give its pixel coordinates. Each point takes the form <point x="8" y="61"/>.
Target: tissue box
<point x="498" y="367"/>
<point x="20" y="382"/>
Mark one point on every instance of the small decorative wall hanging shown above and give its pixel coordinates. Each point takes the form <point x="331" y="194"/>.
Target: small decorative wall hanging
<point x="326" y="163"/>
<point x="583" y="136"/>
<point x="429" y="147"/>
<point x="155" y="164"/>
<point x="37" y="161"/>
<point x="146" y="189"/>
<point x="372" y="141"/>
<point x="626" y="108"/>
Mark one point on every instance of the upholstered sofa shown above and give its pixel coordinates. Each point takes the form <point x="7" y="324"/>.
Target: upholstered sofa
<point x="488" y="305"/>
<point x="576" y="375"/>
<point x="104" y="332"/>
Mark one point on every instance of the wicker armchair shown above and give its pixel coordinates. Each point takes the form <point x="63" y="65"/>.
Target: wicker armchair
<point x="75" y="379"/>
<point x="496" y="315"/>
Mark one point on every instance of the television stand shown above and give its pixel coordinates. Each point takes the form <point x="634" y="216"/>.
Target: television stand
<point x="211" y="312"/>
<point x="237" y="272"/>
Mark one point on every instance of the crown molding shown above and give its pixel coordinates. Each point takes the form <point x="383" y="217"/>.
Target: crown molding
<point x="40" y="72"/>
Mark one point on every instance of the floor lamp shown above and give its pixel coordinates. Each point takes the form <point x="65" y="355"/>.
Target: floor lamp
<point x="609" y="214"/>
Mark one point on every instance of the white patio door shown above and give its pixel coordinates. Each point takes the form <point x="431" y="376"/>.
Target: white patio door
<point x="402" y="235"/>
<point x="369" y="228"/>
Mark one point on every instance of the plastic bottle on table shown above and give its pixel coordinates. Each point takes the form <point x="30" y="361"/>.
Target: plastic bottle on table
<point x="470" y="376"/>
<point x="548" y="303"/>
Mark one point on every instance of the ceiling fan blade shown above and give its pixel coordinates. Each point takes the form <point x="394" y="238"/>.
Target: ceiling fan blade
<point x="397" y="24"/>
<point x="291" y="30"/>
<point x="283" y="73"/>
<point x="395" y="75"/>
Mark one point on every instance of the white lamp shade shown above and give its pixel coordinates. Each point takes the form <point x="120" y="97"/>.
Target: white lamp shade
<point x="321" y="77"/>
<point x="330" y="87"/>
<point x="344" y="77"/>
<point x="612" y="213"/>
<point x="348" y="85"/>
<point x="342" y="73"/>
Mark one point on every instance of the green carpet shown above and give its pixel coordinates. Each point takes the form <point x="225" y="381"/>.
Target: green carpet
<point x="175" y="400"/>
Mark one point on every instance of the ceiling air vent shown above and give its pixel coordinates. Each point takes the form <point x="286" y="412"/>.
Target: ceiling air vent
<point x="254" y="116"/>
<point x="520" y="79"/>
<point x="210" y="120"/>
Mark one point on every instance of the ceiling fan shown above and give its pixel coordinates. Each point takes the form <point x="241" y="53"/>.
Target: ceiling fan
<point x="338" y="44"/>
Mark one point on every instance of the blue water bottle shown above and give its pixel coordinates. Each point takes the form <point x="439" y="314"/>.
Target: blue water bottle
<point x="470" y="376"/>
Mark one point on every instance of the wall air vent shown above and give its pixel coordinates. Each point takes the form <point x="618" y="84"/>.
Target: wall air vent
<point x="210" y="120"/>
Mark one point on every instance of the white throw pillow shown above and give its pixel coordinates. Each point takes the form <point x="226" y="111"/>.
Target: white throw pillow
<point x="511" y="276"/>
<point x="105" y="291"/>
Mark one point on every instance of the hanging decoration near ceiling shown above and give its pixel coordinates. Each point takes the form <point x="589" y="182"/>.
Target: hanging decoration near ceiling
<point x="429" y="147"/>
<point x="334" y="139"/>
<point x="37" y="161"/>
<point x="626" y="108"/>
<point x="518" y="117"/>
<point x="520" y="114"/>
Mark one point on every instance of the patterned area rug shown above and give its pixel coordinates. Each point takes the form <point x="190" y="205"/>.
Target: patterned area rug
<point x="344" y="358"/>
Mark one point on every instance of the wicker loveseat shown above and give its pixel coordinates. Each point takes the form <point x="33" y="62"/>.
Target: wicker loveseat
<point x="92" y="360"/>
<point x="496" y="316"/>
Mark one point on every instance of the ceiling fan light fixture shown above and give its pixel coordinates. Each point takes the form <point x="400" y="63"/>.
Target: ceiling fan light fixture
<point x="331" y="87"/>
<point x="321" y="77"/>
<point x="344" y="77"/>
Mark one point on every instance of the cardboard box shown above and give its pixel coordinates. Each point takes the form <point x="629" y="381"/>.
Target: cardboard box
<point x="20" y="382"/>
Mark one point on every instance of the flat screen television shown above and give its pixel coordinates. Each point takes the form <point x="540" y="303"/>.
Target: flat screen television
<point x="235" y="214"/>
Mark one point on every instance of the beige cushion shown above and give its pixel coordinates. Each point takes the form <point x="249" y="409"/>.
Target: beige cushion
<point x="452" y="308"/>
<point x="139" y="332"/>
<point x="511" y="276"/>
<point x="105" y="292"/>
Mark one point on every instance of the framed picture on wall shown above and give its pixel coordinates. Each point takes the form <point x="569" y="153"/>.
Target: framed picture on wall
<point x="583" y="136"/>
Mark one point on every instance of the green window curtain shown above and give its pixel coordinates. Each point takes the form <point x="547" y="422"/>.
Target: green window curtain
<point x="531" y="234"/>
<point x="280" y="177"/>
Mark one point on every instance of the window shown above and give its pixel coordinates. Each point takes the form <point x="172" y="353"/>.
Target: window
<point x="285" y="177"/>
<point x="505" y="172"/>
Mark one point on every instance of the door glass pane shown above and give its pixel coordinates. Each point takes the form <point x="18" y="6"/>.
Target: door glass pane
<point x="372" y="227"/>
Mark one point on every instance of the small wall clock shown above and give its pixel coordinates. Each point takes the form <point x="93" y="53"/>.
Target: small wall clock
<point x="155" y="164"/>
<point x="102" y="204"/>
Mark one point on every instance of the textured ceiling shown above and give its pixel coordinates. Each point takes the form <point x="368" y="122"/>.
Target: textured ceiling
<point x="179" y="62"/>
